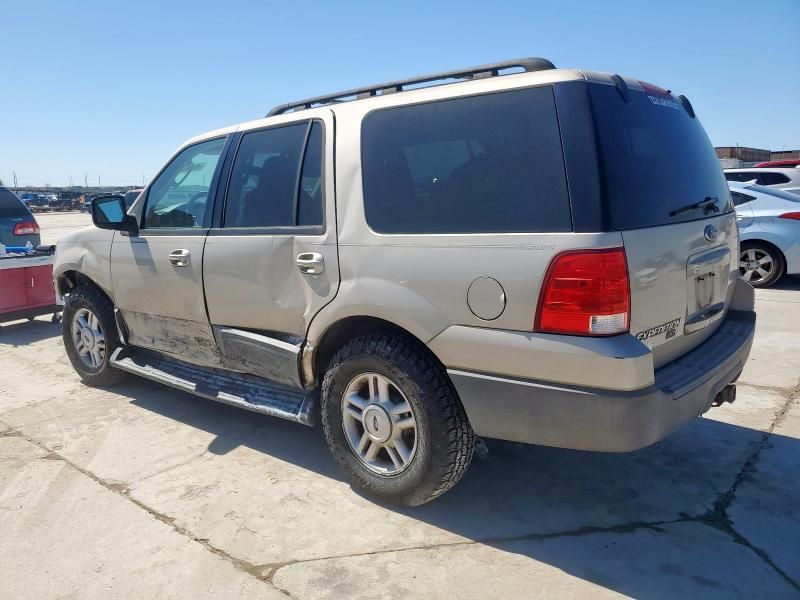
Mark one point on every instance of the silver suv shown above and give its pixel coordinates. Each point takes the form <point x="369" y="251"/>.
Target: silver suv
<point x="527" y="253"/>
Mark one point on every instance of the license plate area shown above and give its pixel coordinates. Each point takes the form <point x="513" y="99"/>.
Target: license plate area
<point x="707" y="286"/>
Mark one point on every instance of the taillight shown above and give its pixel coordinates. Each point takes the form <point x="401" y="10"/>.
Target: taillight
<point x="790" y="215"/>
<point x="585" y="292"/>
<point x="26" y="228"/>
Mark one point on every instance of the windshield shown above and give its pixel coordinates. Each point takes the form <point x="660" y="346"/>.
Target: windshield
<point x="658" y="164"/>
<point x="11" y="206"/>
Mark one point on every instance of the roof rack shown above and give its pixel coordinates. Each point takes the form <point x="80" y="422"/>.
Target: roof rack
<point x="390" y="87"/>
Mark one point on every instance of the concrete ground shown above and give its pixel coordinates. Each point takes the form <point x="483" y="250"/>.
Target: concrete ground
<point x="146" y="492"/>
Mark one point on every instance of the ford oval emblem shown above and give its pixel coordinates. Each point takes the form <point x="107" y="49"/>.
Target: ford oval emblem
<point x="710" y="233"/>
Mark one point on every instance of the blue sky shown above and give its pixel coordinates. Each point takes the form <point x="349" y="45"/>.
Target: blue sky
<point x="111" y="89"/>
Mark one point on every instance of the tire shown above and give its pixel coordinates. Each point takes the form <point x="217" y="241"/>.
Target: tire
<point x="82" y="302"/>
<point x="752" y="255"/>
<point x="434" y="454"/>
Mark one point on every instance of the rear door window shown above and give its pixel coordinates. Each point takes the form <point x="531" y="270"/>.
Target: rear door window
<point x="767" y="178"/>
<point x="11" y="206"/>
<point x="263" y="189"/>
<point x="656" y="160"/>
<point x="479" y="164"/>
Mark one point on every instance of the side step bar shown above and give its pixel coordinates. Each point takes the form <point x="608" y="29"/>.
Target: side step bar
<point x="237" y="389"/>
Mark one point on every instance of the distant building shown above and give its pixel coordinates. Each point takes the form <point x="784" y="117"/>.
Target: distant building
<point x="744" y="154"/>
<point x="783" y="154"/>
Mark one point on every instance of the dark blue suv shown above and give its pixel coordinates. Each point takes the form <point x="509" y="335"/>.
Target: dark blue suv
<point x="17" y="225"/>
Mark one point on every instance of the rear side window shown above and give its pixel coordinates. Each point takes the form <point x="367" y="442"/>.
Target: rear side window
<point x="739" y="198"/>
<point x="480" y="164"/>
<point x="10" y="205"/>
<point x="772" y="178"/>
<point x="656" y="160"/>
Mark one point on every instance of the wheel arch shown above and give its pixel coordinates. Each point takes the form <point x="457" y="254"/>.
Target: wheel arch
<point x="317" y="356"/>
<point x="70" y="279"/>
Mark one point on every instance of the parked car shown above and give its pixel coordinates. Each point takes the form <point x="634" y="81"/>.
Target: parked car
<point x="769" y="238"/>
<point x="787" y="179"/>
<point x="131" y="195"/>
<point x="36" y="202"/>
<point x="477" y="260"/>
<point x="17" y="225"/>
<point x="790" y="162"/>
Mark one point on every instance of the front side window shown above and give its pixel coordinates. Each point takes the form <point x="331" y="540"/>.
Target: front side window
<point x="480" y="164"/>
<point x="179" y="195"/>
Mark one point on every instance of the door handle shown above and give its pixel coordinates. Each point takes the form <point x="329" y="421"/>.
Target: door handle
<point x="180" y="257"/>
<point x="311" y="263"/>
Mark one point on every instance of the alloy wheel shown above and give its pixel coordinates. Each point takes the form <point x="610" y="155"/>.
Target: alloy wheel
<point x="379" y="424"/>
<point x="88" y="338"/>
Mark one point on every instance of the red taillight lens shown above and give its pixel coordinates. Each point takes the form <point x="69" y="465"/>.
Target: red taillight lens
<point x="585" y="292"/>
<point x="26" y="228"/>
<point x="791" y="215"/>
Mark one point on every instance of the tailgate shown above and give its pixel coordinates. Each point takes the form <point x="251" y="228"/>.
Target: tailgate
<point x="667" y="196"/>
<point x="681" y="282"/>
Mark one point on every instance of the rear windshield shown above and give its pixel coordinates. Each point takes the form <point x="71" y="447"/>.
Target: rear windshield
<point x="656" y="159"/>
<point x="10" y="205"/>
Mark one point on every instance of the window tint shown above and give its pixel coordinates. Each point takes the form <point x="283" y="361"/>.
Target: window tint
<point x="10" y="205"/>
<point x="772" y="178"/>
<point x="739" y="198"/>
<point x="264" y="178"/>
<point x="656" y="160"/>
<point x="179" y="196"/>
<point x="310" y="199"/>
<point x="488" y="163"/>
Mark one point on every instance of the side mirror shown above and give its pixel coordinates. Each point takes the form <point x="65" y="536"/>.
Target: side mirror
<point x="108" y="212"/>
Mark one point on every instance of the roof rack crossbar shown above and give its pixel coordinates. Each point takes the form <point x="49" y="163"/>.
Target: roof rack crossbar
<point x="480" y="72"/>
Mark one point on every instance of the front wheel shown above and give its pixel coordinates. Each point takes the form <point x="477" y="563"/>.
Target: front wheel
<point x="90" y="336"/>
<point x="393" y="420"/>
<point x="761" y="265"/>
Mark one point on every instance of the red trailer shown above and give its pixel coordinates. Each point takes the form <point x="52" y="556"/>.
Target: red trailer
<point x="26" y="287"/>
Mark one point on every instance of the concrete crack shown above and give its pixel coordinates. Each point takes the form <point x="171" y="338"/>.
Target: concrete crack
<point x="718" y="517"/>
<point x="261" y="572"/>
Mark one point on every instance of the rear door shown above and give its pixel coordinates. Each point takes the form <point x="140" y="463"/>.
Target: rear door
<point x="272" y="263"/>
<point x="667" y="195"/>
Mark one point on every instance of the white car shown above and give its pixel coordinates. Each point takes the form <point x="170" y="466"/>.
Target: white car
<point x="769" y="232"/>
<point x="780" y="178"/>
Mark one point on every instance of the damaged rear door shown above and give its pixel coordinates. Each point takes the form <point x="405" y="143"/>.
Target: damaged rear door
<point x="272" y="262"/>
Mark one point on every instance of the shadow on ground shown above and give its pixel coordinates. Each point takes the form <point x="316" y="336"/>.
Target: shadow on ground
<point x="522" y="495"/>
<point x="23" y="333"/>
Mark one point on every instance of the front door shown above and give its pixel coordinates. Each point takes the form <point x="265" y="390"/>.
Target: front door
<point x="273" y="262"/>
<point x="157" y="275"/>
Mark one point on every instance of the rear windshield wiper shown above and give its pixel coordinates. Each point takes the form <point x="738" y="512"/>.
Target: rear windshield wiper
<point x="708" y="204"/>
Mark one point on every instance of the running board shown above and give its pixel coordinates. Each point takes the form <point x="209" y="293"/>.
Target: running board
<point x="237" y="389"/>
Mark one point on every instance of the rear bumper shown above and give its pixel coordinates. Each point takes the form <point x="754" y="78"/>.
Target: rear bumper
<point x="608" y="420"/>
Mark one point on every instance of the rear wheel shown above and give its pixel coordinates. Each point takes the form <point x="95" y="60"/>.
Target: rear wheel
<point x="393" y="421"/>
<point x="761" y="265"/>
<point x="90" y="336"/>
